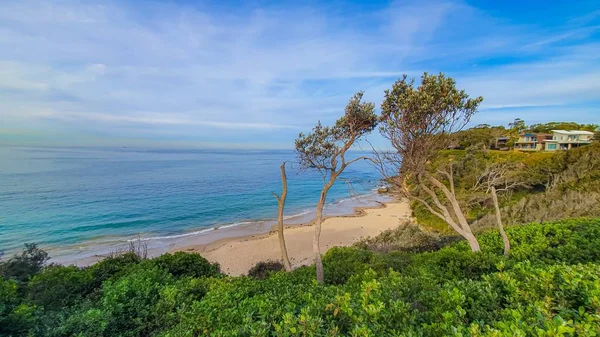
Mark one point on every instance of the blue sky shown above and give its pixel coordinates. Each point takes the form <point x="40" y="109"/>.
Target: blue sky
<point x="255" y="73"/>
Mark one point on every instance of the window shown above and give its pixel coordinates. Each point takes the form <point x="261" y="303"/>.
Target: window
<point x="551" y="146"/>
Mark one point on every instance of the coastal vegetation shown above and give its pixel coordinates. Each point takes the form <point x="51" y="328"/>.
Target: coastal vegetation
<point x="417" y="121"/>
<point x="502" y="243"/>
<point x="324" y="150"/>
<point x="550" y="286"/>
<point x="533" y="187"/>
<point x="486" y="135"/>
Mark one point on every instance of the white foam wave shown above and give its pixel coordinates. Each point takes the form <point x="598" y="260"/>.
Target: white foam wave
<point x="235" y="224"/>
<point x="296" y="215"/>
<point x="175" y="236"/>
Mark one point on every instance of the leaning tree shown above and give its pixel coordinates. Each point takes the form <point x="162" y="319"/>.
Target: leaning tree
<point x="501" y="177"/>
<point x="280" y="206"/>
<point x="324" y="149"/>
<point x="418" y="122"/>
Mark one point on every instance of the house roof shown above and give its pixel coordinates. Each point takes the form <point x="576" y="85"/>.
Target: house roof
<point x="573" y="132"/>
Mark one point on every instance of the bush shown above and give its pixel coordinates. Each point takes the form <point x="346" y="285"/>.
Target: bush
<point x="28" y="263"/>
<point x="262" y="269"/>
<point x="452" y="263"/>
<point x="182" y="264"/>
<point x="128" y="307"/>
<point x="407" y="237"/>
<point x="112" y="267"/>
<point x="549" y="286"/>
<point x="13" y="319"/>
<point x="59" y="286"/>
<point x="340" y="263"/>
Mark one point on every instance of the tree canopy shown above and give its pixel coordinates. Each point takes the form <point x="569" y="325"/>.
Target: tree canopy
<point x="324" y="148"/>
<point x="418" y="120"/>
<point x="548" y="127"/>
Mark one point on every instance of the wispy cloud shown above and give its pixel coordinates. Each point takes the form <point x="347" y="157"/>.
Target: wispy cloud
<point x="109" y="67"/>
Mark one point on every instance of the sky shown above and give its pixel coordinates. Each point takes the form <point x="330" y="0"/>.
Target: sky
<point x="253" y="74"/>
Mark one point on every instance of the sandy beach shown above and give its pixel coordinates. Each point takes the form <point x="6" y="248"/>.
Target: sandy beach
<point x="237" y="255"/>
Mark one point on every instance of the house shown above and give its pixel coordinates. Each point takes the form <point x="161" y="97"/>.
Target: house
<point x="531" y="141"/>
<point x="566" y="140"/>
<point x="501" y="143"/>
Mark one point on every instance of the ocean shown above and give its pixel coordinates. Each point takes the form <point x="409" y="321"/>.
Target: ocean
<point x="80" y="202"/>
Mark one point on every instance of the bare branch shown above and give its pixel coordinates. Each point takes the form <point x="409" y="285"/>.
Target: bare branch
<point x="452" y="199"/>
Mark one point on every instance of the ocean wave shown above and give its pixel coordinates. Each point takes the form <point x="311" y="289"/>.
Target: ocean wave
<point x="236" y="224"/>
<point x="299" y="214"/>
<point x="175" y="236"/>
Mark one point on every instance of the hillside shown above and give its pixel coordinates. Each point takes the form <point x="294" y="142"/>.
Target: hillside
<point x="550" y="286"/>
<point x="550" y="186"/>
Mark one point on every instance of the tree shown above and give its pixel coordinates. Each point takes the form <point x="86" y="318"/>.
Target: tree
<point x="280" y="205"/>
<point x="324" y="150"/>
<point x="481" y="135"/>
<point x="418" y="123"/>
<point x="500" y="177"/>
<point x="28" y="263"/>
<point x="548" y="127"/>
<point x="518" y="125"/>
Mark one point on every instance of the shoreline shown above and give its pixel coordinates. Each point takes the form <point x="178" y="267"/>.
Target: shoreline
<point x="89" y="253"/>
<point x="237" y="255"/>
<point x="359" y="211"/>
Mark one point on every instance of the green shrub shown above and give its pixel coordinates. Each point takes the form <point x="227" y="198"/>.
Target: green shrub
<point x="452" y="263"/>
<point x="15" y="318"/>
<point x="112" y="267"/>
<point x="59" y="286"/>
<point x="340" y="263"/>
<point x="262" y="269"/>
<point x="128" y="306"/>
<point x="398" y="260"/>
<point x="28" y="263"/>
<point x="186" y="264"/>
<point x="549" y="286"/>
<point x="407" y="237"/>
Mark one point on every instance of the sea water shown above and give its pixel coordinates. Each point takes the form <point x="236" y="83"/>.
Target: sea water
<point x="78" y="201"/>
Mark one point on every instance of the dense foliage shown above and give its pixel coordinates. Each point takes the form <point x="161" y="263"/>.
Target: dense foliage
<point x="486" y="135"/>
<point x="263" y="269"/>
<point x="548" y="127"/>
<point x="550" y="286"/>
<point x="482" y="136"/>
<point x="21" y="267"/>
<point x="551" y="185"/>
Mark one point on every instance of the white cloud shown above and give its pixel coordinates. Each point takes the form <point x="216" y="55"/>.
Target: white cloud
<point x="91" y="65"/>
<point x="255" y="69"/>
<point x="569" y="77"/>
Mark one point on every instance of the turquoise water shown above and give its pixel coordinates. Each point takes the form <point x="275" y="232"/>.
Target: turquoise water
<point x="62" y="198"/>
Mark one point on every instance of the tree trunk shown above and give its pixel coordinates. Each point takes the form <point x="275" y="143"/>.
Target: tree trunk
<point x="317" y="238"/>
<point x="499" y="222"/>
<point x="281" y="205"/>
<point x="472" y="240"/>
<point x="464" y="225"/>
